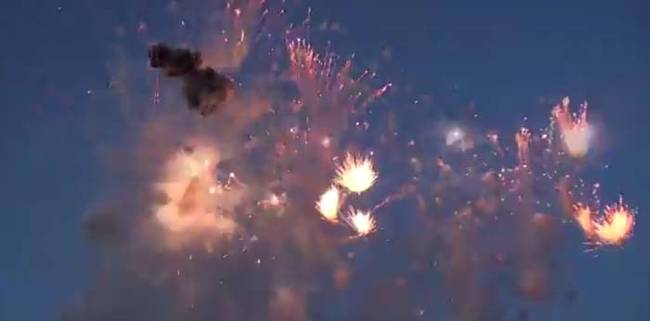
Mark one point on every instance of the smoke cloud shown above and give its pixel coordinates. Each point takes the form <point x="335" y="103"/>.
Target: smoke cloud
<point x="205" y="89"/>
<point x="217" y="220"/>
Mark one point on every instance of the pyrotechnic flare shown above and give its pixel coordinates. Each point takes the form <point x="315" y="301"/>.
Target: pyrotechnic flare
<point x="583" y="216"/>
<point x="329" y="204"/>
<point x="356" y="174"/>
<point x="362" y="222"/>
<point x="615" y="226"/>
<point x="574" y="128"/>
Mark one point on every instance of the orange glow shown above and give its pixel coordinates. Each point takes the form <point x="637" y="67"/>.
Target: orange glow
<point x="583" y="217"/>
<point x="190" y="188"/>
<point x="616" y="225"/>
<point x="574" y="128"/>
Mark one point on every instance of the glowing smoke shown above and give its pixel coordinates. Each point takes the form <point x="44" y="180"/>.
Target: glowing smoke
<point x="575" y="131"/>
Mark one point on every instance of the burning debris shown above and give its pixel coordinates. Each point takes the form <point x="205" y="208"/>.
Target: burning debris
<point x="205" y="89"/>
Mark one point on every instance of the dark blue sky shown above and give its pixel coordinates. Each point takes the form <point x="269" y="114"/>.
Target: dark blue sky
<point x="509" y="58"/>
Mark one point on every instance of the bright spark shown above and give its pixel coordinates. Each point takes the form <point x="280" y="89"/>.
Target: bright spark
<point x="329" y="204"/>
<point x="356" y="174"/>
<point x="616" y="225"/>
<point x="362" y="222"/>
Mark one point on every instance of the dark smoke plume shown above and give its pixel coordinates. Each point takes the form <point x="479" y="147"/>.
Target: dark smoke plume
<point x="205" y="89"/>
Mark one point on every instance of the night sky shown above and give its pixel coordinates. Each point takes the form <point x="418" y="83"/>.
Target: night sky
<point x="505" y="60"/>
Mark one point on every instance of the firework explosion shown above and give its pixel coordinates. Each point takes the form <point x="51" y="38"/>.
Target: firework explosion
<point x="356" y="174"/>
<point x="245" y="223"/>
<point x="362" y="222"/>
<point x="615" y="226"/>
<point x="584" y="219"/>
<point x="329" y="204"/>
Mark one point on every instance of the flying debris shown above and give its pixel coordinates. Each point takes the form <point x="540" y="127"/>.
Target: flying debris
<point x="205" y="89"/>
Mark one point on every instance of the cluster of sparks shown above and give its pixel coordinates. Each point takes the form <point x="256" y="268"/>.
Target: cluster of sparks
<point x="616" y="224"/>
<point x="319" y="77"/>
<point x="355" y="175"/>
<point x="190" y="189"/>
<point x="613" y="227"/>
<point x="362" y="222"/>
<point x="333" y="81"/>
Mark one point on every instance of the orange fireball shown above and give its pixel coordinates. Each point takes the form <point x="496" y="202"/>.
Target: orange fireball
<point x="616" y="225"/>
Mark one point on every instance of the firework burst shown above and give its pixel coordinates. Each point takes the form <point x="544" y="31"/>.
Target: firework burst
<point x="361" y="222"/>
<point x="356" y="174"/>
<point x="329" y="204"/>
<point x="616" y="225"/>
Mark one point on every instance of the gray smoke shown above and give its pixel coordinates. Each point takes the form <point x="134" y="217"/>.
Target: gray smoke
<point x="205" y="89"/>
